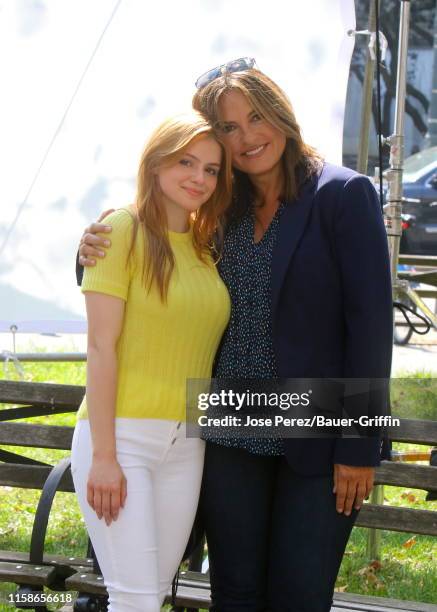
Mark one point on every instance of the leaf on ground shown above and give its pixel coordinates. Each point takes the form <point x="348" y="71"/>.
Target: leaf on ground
<point x="409" y="543"/>
<point x="376" y="564"/>
<point x="340" y="589"/>
<point x="409" y="496"/>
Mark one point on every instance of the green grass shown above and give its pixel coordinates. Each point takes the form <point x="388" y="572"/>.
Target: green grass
<point x="406" y="570"/>
<point x="414" y="395"/>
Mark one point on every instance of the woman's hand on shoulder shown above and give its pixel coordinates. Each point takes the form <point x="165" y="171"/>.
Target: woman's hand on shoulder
<point x="106" y="488"/>
<point x="91" y="244"/>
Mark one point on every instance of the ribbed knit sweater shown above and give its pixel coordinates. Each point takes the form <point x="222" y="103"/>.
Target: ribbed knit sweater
<point x="161" y="345"/>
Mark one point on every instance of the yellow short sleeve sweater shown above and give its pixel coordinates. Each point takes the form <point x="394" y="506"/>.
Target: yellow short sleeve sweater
<point x="161" y="345"/>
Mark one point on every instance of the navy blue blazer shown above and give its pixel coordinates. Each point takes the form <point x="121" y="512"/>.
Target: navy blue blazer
<point x="332" y="303"/>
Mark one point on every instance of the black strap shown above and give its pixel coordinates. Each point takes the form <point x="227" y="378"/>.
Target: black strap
<point x="405" y="309"/>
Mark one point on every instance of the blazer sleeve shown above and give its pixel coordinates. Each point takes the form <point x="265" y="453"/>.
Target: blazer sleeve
<point x="362" y="253"/>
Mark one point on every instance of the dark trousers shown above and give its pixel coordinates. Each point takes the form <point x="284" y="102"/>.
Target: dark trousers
<point x="275" y="539"/>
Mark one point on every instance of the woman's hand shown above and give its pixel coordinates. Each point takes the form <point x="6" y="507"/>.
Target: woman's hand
<point x="352" y="485"/>
<point x="106" y="489"/>
<point x="92" y="245"/>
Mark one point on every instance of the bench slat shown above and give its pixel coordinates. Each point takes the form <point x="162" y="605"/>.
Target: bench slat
<point x="406" y="520"/>
<point x="189" y="597"/>
<point x="369" y="607"/>
<point x="36" y="436"/>
<point x="40" y="575"/>
<point x="405" y="475"/>
<point x="31" y="477"/>
<point x="418" y="260"/>
<point x="40" y="394"/>
<point x="426" y="293"/>
<point x="420" y="431"/>
<point x="55" y="560"/>
<point x="86" y="581"/>
<point x="367" y="601"/>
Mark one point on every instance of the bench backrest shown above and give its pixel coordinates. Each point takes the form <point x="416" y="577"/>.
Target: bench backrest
<point x="35" y="399"/>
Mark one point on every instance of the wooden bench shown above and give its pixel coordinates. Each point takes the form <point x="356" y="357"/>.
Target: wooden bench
<point x="37" y="570"/>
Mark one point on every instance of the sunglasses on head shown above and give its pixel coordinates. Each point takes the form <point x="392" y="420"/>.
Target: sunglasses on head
<point x="238" y="65"/>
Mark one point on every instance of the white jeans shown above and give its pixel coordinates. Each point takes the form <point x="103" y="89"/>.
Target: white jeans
<point x="139" y="553"/>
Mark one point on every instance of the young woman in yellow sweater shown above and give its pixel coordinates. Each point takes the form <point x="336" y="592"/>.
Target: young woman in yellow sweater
<point x="156" y="310"/>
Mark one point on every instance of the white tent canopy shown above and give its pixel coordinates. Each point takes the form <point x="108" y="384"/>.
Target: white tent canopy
<point x="82" y="85"/>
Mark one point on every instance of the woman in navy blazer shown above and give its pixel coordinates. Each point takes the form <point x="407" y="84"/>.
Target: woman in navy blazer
<point x="306" y="263"/>
<point x="332" y="303"/>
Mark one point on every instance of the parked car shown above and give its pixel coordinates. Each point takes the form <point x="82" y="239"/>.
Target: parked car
<point x="419" y="219"/>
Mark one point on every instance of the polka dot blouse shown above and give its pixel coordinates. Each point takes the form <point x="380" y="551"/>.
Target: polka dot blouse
<point x="247" y="347"/>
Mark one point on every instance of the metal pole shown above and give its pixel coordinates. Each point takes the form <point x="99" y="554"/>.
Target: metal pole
<point x="366" y="104"/>
<point x="373" y="548"/>
<point x="431" y="137"/>
<point x="373" y="535"/>
<point x="393" y="209"/>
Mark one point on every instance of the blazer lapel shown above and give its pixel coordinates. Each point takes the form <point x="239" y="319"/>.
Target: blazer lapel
<point x="291" y="227"/>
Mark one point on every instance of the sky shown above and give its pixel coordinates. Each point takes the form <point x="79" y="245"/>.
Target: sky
<point x="83" y="83"/>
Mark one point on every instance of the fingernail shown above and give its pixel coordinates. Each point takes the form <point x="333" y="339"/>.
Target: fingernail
<point x="106" y="243"/>
<point x="108" y="228"/>
<point x="347" y="513"/>
<point x="101" y="254"/>
<point x="357" y="507"/>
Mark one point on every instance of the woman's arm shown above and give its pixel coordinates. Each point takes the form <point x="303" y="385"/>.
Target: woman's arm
<point x="106" y="483"/>
<point x="362" y="251"/>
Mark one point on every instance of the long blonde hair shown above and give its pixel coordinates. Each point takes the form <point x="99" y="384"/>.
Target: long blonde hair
<point x="299" y="160"/>
<point x="165" y="146"/>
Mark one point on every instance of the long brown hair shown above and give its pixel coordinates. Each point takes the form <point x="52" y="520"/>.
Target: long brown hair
<point x="165" y="146"/>
<point x="300" y="160"/>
